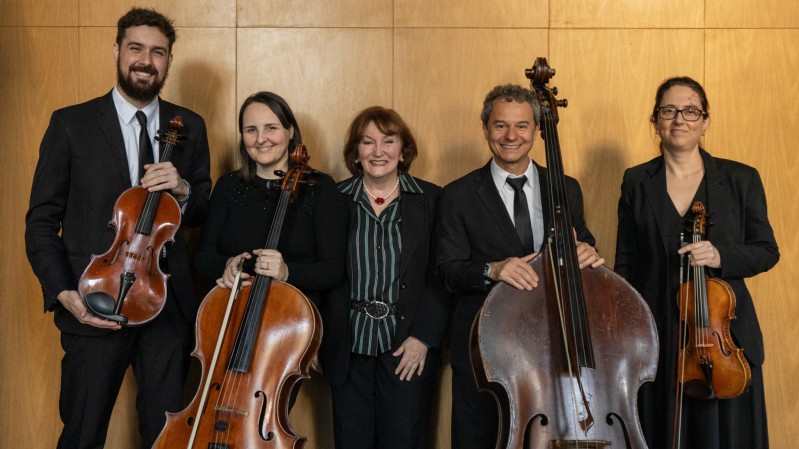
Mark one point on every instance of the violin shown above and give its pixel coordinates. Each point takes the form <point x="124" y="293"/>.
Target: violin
<point x="565" y="360"/>
<point x="126" y="284"/>
<point x="254" y="344"/>
<point x="710" y="364"/>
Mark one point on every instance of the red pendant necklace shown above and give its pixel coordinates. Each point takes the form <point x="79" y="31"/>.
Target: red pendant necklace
<point x="379" y="200"/>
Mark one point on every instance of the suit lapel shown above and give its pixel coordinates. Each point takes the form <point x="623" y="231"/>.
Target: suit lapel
<point x="412" y="227"/>
<point x="492" y="202"/>
<point x="108" y="121"/>
<point x="715" y="181"/>
<point x="658" y="197"/>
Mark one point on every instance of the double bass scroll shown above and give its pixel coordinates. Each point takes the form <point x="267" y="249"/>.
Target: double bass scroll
<point x="565" y="360"/>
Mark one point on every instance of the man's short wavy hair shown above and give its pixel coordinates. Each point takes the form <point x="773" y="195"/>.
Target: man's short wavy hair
<point x="510" y="92"/>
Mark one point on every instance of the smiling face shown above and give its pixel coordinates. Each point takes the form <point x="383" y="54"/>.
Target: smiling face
<point x="678" y="134"/>
<point x="265" y="139"/>
<point x="510" y="132"/>
<point x="379" y="154"/>
<point x="143" y="61"/>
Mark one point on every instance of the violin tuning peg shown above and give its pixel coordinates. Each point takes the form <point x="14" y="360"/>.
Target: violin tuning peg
<point x="280" y="173"/>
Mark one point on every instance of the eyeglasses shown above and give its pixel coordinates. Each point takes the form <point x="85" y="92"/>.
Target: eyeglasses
<point x="689" y="114"/>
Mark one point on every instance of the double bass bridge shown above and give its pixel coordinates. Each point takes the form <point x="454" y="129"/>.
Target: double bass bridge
<point x="578" y="444"/>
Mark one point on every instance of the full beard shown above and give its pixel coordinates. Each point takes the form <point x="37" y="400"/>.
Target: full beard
<point x="140" y="91"/>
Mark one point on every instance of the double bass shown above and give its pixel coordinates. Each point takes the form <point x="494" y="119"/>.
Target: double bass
<point x="254" y="343"/>
<point x="565" y="360"/>
<point x="126" y="284"/>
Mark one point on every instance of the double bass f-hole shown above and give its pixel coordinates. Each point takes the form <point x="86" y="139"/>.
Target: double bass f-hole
<point x="126" y="284"/>
<point x="565" y="360"/>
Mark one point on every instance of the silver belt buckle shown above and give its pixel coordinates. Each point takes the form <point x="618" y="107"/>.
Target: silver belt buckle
<point x="377" y="309"/>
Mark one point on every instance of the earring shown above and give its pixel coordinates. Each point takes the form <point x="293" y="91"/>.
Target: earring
<point x="357" y="161"/>
<point x="657" y="132"/>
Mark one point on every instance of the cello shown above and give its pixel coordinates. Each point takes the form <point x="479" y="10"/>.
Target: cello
<point x="565" y="360"/>
<point x="254" y="343"/>
<point x="127" y="278"/>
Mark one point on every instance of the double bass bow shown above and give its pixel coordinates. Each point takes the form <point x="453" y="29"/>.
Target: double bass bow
<point x="565" y="360"/>
<point x="254" y="343"/>
<point x="126" y="284"/>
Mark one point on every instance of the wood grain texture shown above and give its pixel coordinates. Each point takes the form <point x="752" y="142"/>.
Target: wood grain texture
<point x="627" y="14"/>
<point x="771" y="14"/>
<point x="30" y="351"/>
<point x="751" y="83"/>
<point x="325" y="75"/>
<point x="609" y="78"/>
<point x="471" y="14"/>
<point x="442" y="77"/>
<point x="39" y="13"/>
<point x="433" y="62"/>
<point x="313" y="13"/>
<point x="184" y="13"/>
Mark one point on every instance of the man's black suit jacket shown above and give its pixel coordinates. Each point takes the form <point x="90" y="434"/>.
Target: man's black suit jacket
<point x="81" y="172"/>
<point x="475" y="228"/>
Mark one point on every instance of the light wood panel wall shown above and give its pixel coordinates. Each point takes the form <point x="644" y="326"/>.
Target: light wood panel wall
<point x="433" y="62"/>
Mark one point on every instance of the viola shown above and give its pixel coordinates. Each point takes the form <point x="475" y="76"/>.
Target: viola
<point x="710" y="364"/>
<point x="126" y="284"/>
<point x="565" y="360"/>
<point x="254" y="343"/>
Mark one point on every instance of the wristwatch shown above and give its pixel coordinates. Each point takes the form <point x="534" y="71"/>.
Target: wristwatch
<point x="487" y="271"/>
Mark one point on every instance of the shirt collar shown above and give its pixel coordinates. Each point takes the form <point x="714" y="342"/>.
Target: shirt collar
<point x="354" y="186"/>
<point x="500" y="176"/>
<point x="127" y="111"/>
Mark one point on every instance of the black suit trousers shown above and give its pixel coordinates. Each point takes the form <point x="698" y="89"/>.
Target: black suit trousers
<point x="93" y="368"/>
<point x="374" y="409"/>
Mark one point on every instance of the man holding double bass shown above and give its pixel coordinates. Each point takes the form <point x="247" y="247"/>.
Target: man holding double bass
<point x="90" y="154"/>
<point x="487" y="232"/>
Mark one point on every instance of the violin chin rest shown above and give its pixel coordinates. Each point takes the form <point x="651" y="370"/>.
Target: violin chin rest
<point x="103" y="305"/>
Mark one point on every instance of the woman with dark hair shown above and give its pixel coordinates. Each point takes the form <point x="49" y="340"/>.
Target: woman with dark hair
<point x="310" y="252"/>
<point x="656" y="199"/>
<point x="385" y="325"/>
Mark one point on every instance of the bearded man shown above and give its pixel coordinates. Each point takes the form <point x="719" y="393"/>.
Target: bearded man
<point x="90" y="154"/>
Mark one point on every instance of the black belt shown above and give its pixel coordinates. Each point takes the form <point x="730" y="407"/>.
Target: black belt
<point x="375" y="309"/>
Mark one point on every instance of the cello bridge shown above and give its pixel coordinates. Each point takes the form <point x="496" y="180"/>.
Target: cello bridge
<point x="231" y="410"/>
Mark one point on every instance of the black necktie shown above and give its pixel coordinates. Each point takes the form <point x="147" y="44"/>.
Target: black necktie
<point x="521" y="214"/>
<point x="145" y="147"/>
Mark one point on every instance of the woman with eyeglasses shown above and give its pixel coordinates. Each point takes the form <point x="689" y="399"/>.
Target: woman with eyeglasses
<point x="654" y="208"/>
